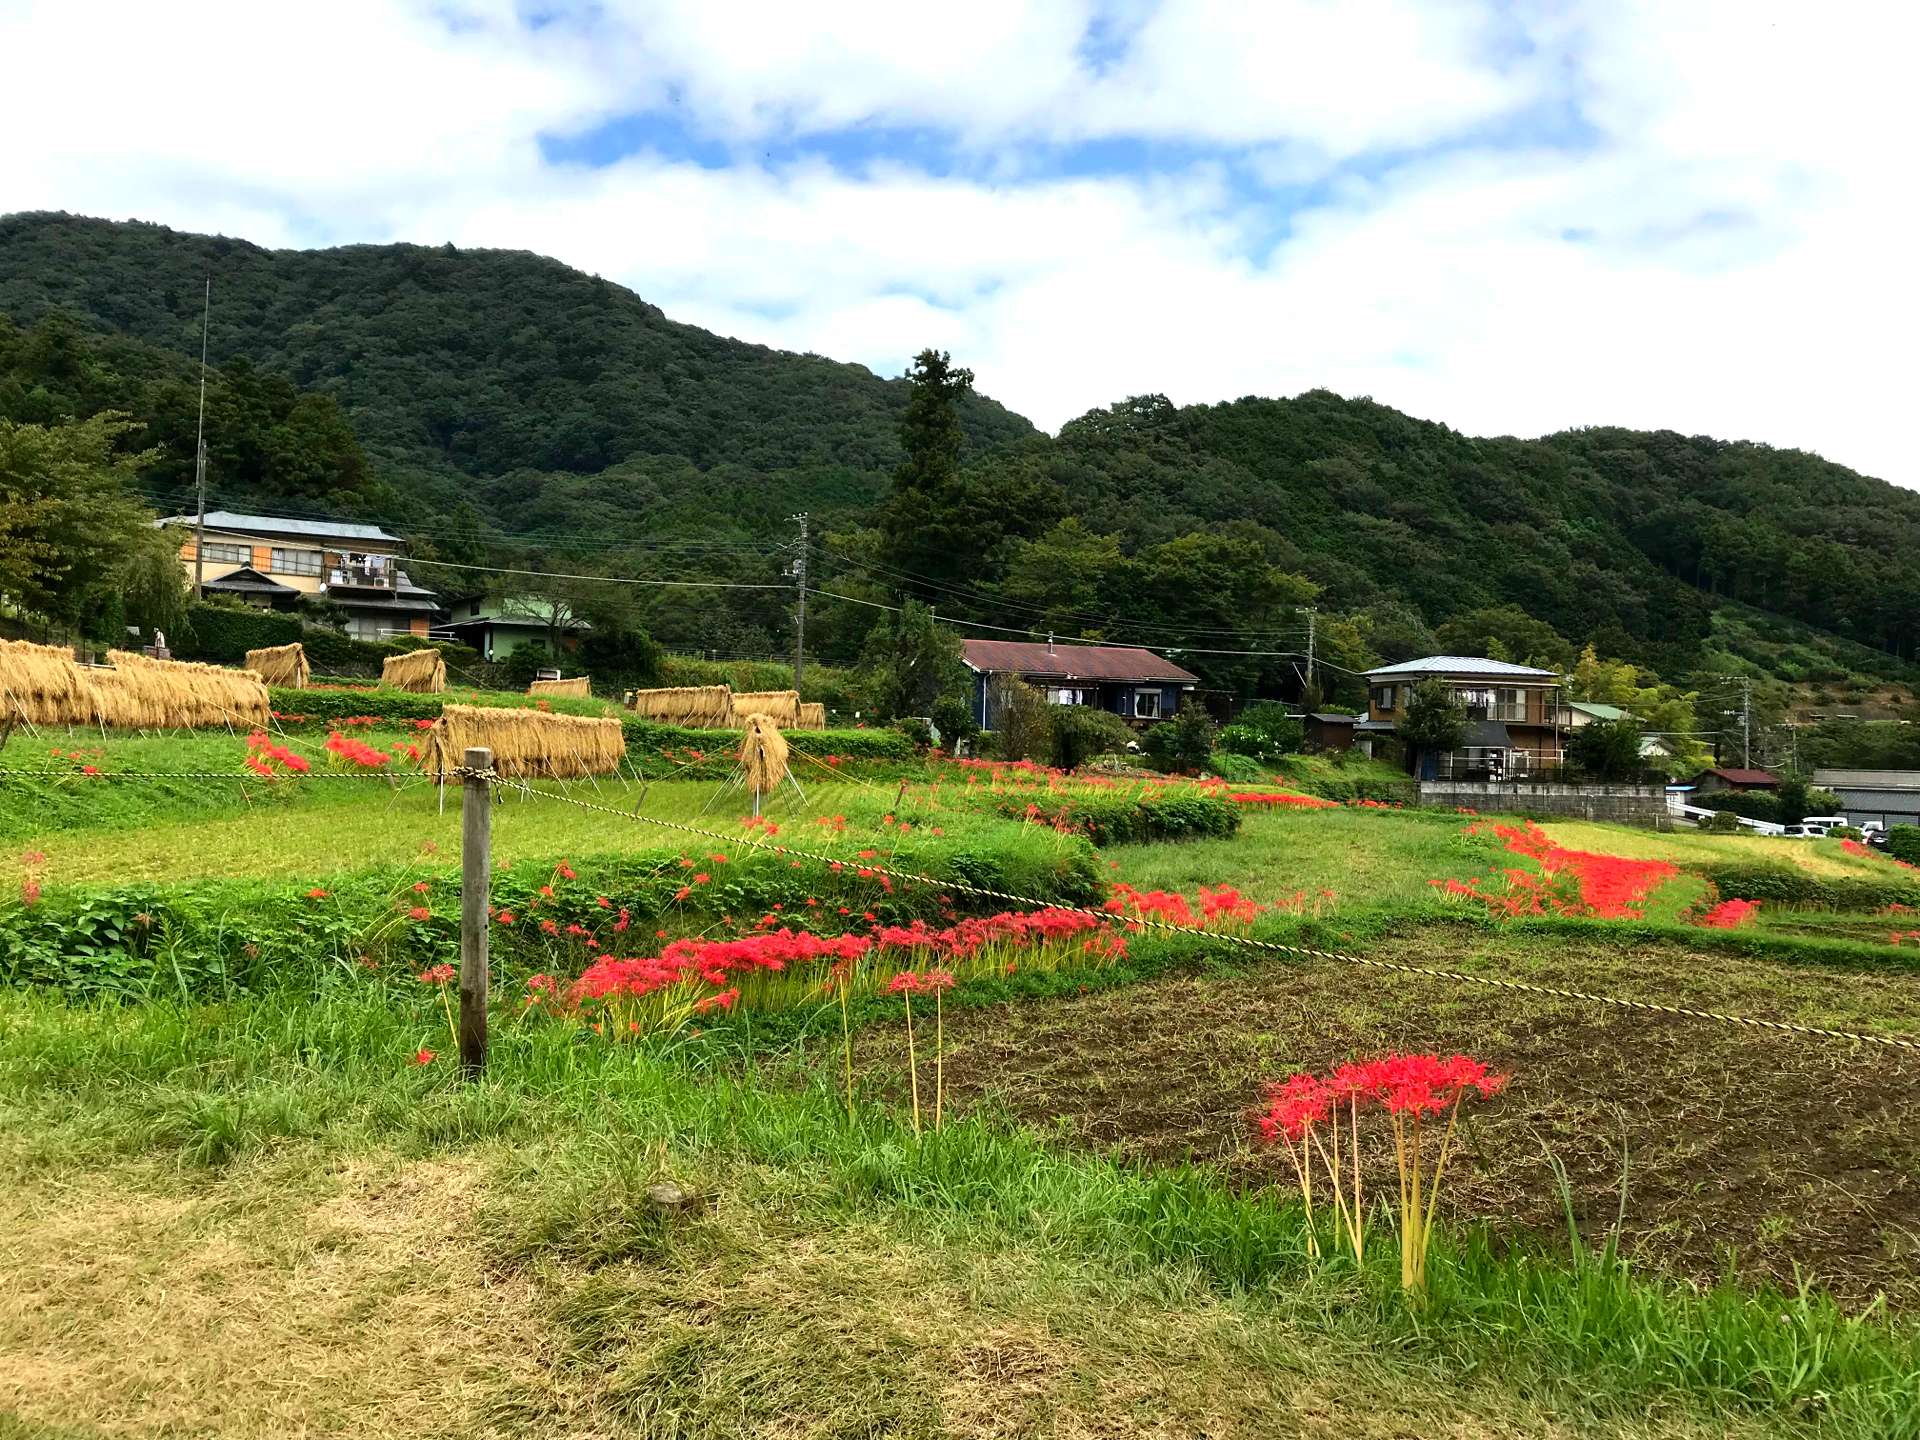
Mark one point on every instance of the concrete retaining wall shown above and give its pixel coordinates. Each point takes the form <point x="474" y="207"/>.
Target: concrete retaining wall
<point x="1627" y="804"/>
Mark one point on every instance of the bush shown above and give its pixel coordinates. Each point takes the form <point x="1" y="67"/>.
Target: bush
<point x="1903" y="843"/>
<point x="1184" y="744"/>
<point x="953" y="717"/>
<point x="1022" y="728"/>
<point x="222" y="631"/>
<point x="917" y="729"/>
<point x="1790" y="887"/>
<point x="1180" y="814"/>
<point x="1240" y="769"/>
<point x="1083" y="732"/>
<point x="1754" y="804"/>
<point x="1721" y="822"/>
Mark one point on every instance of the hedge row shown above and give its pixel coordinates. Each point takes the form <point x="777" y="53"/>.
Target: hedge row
<point x="217" y="938"/>
<point x="400" y="707"/>
<point x="1124" y="819"/>
<point x="222" y="635"/>
<point x="1792" y="887"/>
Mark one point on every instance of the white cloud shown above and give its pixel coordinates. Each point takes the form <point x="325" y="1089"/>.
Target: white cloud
<point x="1719" y="247"/>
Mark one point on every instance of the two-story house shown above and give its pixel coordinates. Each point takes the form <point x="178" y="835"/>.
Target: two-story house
<point x="1130" y="682"/>
<point x="274" y="563"/>
<point x="1515" y="716"/>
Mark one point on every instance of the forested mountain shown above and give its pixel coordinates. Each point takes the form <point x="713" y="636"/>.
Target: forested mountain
<point x="497" y="406"/>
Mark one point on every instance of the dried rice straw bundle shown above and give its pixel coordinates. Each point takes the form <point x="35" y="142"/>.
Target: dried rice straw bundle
<point x="813" y="716"/>
<point x="763" y="756"/>
<point x="780" y="706"/>
<point x="283" y="665"/>
<point x="42" y="685"/>
<point x="575" y="687"/>
<point x="141" y="693"/>
<point x="700" y="707"/>
<point x="527" y="744"/>
<point x="422" y="671"/>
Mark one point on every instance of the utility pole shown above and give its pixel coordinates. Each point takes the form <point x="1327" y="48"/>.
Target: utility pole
<point x="200" y="457"/>
<point x="1746" y="723"/>
<point x="1312" y="617"/>
<point x="799" y="573"/>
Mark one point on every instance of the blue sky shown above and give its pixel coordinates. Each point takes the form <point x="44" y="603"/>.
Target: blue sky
<point x="1510" y="215"/>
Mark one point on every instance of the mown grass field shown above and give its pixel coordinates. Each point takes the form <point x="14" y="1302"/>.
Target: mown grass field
<point x="257" y="1215"/>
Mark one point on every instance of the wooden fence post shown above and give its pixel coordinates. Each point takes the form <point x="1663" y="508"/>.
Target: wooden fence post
<point x="476" y="874"/>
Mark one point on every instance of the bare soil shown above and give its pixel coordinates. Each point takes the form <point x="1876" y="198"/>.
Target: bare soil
<point x="1748" y="1152"/>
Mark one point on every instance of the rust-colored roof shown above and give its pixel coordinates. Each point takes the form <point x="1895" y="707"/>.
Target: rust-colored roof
<point x="1075" y="662"/>
<point x="1744" y="777"/>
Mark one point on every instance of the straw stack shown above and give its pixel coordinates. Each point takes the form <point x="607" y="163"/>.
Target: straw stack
<point x="141" y="693"/>
<point x="527" y="744"/>
<point x="701" y="707"/>
<point x="813" y="716"/>
<point x="283" y="665"/>
<point x="763" y="755"/>
<point x="577" y="687"/>
<point x="41" y="685"/>
<point x="780" y="706"/>
<point x="422" y="671"/>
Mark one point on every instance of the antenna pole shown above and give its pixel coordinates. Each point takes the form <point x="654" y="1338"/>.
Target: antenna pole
<point x="200" y="458"/>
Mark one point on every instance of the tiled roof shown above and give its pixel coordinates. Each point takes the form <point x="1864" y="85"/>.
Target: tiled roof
<point x="1744" y="777"/>
<point x="1461" y="665"/>
<point x="1075" y="662"/>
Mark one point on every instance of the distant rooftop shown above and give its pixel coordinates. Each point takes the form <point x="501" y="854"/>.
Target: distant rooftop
<point x="276" y="525"/>
<point x="1461" y="665"/>
<point x="1073" y="662"/>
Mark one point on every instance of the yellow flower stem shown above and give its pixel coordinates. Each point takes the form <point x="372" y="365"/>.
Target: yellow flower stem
<point x="939" y="1059"/>
<point x="1359" y="1210"/>
<point x="1433" y="1197"/>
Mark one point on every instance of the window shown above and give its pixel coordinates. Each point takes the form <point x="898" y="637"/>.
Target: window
<point x="365" y="627"/>
<point x="1146" y="704"/>
<point x="221" y="554"/>
<point x="1510" y="703"/>
<point x="1069" y="695"/>
<point x="295" y="562"/>
<point x="1383" y="697"/>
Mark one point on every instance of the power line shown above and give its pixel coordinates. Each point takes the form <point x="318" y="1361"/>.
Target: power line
<point x="603" y="579"/>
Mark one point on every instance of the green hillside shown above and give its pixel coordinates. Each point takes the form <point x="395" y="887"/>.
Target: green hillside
<point x="499" y="407"/>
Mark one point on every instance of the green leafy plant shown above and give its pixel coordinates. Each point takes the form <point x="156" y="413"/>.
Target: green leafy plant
<point x="1184" y="744"/>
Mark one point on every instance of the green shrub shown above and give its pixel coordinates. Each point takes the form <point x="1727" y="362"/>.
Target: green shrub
<point x="1240" y="769"/>
<point x="1754" y="804"/>
<point x="218" y="938"/>
<point x="1184" y="744"/>
<point x="222" y="631"/>
<point x="1788" y="886"/>
<point x="398" y="707"/>
<point x="1084" y="732"/>
<point x="1179" y="814"/>
<point x="1264" y="731"/>
<point x="1903" y="843"/>
<point x="1721" y="822"/>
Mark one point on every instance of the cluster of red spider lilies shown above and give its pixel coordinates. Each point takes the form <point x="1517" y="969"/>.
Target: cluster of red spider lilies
<point x="1567" y="882"/>
<point x="1322" y="1122"/>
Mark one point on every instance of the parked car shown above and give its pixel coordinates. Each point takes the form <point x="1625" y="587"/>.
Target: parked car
<point x="1821" y="824"/>
<point x="1803" y="832"/>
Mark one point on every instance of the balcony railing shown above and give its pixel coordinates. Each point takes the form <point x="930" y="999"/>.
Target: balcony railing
<point x="357" y="579"/>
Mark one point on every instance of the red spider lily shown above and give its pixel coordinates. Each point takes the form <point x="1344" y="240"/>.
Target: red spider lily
<point x="1318" y="1114"/>
<point x="436" y="975"/>
<point x="423" y="1056"/>
<point x="420" y="887"/>
<point x="316" y="893"/>
<point x="419" y="912"/>
<point x="1729" y="914"/>
<point x="1854" y="847"/>
<point x="505" y="917"/>
<point x="355" y="754"/>
<point x="1273" y="799"/>
<point x="725" y="1000"/>
<point x="1568" y="882"/>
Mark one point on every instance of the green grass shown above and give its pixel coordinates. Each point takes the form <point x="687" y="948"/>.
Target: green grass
<point x="567" y="1124"/>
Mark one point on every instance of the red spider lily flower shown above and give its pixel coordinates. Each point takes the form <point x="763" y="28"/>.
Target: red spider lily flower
<point x="89" y="769"/>
<point x="725" y="1000"/>
<point x="565" y="871"/>
<point x="423" y="724"/>
<point x="505" y="917"/>
<point x="423" y="1056"/>
<point x="316" y="893"/>
<point x="435" y="975"/>
<point x="542" y="984"/>
<point x="683" y="892"/>
<point x="29" y="891"/>
<point x="420" y="887"/>
<point x="419" y="912"/>
<point x="548" y="927"/>
<point x="1729" y="914"/>
<point x="604" y="903"/>
<point x="547" y="891"/>
<point x="701" y="878"/>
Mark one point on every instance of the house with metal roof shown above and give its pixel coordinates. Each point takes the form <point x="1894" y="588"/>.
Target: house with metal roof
<point x="497" y="627"/>
<point x="1516" y="720"/>
<point x="1126" y="680"/>
<point x="277" y="563"/>
<point x="1889" y="797"/>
